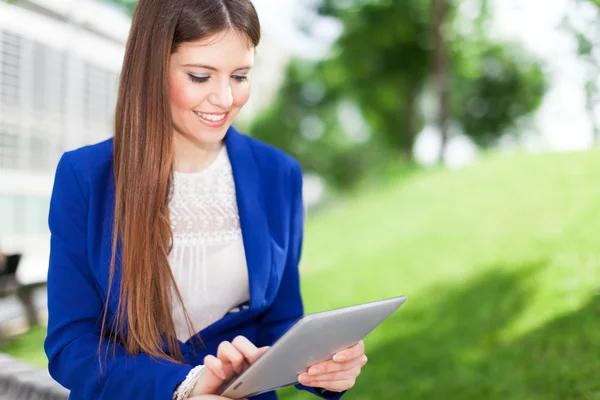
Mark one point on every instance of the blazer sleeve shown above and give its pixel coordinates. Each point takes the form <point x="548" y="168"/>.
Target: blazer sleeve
<point x="75" y="306"/>
<point x="288" y="307"/>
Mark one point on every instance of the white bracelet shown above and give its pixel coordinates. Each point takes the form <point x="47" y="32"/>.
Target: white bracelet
<point x="185" y="388"/>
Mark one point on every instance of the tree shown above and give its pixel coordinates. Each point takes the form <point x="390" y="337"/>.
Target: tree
<point x="380" y="62"/>
<point x="327" y="137"/>
<point x="494" y="86"/>
<point x="440" y="68"/>
<point x="391" y="52"/>
<point x="587" y="36"/>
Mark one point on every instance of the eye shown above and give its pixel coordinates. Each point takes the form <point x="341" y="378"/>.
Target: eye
<point x="240" y="78"/>
<point x="198" y="79"/>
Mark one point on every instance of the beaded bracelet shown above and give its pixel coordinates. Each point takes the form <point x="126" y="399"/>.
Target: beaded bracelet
<point x="185" y="388"/>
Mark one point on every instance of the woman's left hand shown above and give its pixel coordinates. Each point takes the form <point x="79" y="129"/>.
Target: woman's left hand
<point x="338" y="374"/>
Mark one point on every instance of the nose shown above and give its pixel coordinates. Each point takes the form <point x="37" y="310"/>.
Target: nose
<point x="222" y="96"/>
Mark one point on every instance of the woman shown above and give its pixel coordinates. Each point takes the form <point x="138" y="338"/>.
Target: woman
<point x="175" y="245"/>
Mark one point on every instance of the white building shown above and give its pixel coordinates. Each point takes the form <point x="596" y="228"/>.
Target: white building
<point x="59" y="67"/>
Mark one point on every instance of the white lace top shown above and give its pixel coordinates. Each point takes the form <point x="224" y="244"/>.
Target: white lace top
<point x="208" y="259"/>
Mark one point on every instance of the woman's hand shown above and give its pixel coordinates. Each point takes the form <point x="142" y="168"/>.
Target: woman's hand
<point x="338" y="374"/>
<point x="231" y="358"/>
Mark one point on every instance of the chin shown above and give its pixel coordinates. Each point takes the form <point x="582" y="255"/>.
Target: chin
<point x="212" y="136"/>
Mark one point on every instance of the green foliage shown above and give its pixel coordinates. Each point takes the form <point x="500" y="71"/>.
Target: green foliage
<point x="364" y="95"/>
<point x="493" y="86"/>
<point x="382" y="64"/>
<point x="381" y="61"/>
<point x="306" y="124"/>
<point x="587" y="36"/>
<point x="126" y="5"/>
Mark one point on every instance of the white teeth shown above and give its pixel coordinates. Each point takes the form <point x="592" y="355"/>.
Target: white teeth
<point x="210" y="117"/>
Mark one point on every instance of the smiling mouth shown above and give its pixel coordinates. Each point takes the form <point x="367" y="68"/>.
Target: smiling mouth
<point x="211" y="117"/>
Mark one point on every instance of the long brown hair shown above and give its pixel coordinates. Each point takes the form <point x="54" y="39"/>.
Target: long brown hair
<point x="143" y="164"/>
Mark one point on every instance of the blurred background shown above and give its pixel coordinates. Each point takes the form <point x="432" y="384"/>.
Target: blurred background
<point x="450" y="155"/>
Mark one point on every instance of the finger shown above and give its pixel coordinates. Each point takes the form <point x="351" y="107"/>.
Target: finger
<point x="262" y="351"/>
<point x="333" y="376"/>
<point x="229" y="354"/>
<point x="363" y="360"/>
<point x="247" y="348"/>
<point x="327" y="367"/>
<point x="350" y="353"/>
<point x="215" y="366"/>
<point x="333" y="386"/>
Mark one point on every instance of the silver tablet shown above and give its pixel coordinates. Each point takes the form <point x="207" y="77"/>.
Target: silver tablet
<point x="312" y="339"/>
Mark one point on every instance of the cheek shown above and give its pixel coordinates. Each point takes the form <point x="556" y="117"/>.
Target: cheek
<point x="241" y="95"/>
<point x="182" y="94"/>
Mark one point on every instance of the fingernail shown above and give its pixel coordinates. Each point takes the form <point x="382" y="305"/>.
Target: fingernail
<point x="314" y="371"/>
<point x="302" y="378"/>
<point x="338" y="358"/>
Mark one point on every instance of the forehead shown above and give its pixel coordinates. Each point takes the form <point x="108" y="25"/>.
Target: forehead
<point x="228" y="49"/>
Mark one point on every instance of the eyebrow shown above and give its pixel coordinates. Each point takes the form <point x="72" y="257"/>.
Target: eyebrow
<point x="213" y="68"/>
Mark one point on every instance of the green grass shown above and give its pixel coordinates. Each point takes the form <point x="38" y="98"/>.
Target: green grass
<point x="29" y="346"/>
<point x="500" y="263"/>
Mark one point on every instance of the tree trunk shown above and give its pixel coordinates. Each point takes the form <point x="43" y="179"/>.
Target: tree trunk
<point x="410" y="120"/>
<point x="590" y="91"/>
<point x="440" y="69"/>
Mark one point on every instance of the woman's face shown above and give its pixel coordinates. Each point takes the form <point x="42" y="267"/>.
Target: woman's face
<point x="209" y="83"/>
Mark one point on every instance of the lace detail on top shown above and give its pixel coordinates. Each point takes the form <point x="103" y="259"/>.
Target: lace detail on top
<point x="208" y="259"/>
<point x="203" y="204"/>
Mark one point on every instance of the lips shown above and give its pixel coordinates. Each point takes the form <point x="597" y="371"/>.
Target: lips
<point x="212" y="119"/>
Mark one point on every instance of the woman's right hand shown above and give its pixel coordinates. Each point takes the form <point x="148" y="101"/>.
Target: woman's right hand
<point x="231" y="358"/>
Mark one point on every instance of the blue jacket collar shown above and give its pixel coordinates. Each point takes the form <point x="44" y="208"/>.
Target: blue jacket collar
<point x="251" y="206"/>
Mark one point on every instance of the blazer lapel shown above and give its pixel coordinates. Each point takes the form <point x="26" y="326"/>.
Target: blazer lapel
<point x="253" y="218"/>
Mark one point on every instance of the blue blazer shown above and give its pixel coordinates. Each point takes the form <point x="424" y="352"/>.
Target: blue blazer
<point x="269" y="196"/>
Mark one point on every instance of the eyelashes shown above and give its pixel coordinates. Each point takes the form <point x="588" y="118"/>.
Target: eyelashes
<point x="198" y="79"/>
<point x="203" y="79"/>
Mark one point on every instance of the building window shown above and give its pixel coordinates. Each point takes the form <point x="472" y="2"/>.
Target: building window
<point x="9" y="146"/>
<point x="40" y="147"/>
<point x="39" y="70"/>
<point x="10" y="46"/>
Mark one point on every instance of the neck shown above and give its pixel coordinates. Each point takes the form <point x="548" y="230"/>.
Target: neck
<point x="193" y="156"/>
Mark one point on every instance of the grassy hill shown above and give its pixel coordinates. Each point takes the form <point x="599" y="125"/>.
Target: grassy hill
<point x="501" y="266"/>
